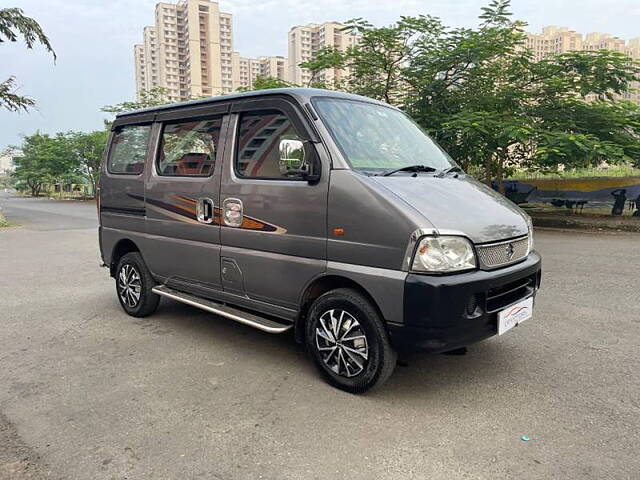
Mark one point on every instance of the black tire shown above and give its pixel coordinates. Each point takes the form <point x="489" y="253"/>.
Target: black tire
<point x="131" y="265"/>
<point x="343" y="366"/>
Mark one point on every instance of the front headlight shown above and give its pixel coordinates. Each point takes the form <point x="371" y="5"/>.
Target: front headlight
<point x="530" y="225"/>
<point x="443" y="255"/>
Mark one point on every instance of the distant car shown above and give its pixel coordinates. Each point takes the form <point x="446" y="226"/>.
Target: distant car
<point x="330" y="214"/>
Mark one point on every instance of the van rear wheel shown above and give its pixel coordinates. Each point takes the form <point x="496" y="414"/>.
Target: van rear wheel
<point x="347" y="341"/>
<point x="134" y="285"/>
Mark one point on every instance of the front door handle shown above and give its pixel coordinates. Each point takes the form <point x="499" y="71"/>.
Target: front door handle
<point x="204" y="210"/>
<point x="232" y="212"/>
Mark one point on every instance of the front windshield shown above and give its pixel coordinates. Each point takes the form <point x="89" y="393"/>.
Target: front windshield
<point x="375" y="139"/>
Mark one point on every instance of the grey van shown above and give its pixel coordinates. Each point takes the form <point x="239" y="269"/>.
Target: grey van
<point x="331" y="215"/>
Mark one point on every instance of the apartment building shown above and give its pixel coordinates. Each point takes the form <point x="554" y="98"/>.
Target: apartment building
<point x="247" y="70"/>
<point x="305" y="41"/>
<point x="555" y="40"/>
<point x="8" y="158"/>
<point x="188" y="51"/>
<point x="140" y="68"/>
<point x="150" y="58"/>
<point x="146" y="61"/>
<point x="604" y="41"/>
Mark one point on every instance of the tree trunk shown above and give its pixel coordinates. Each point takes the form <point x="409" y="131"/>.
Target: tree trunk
<point x="387" y="87"/>
<point x="488" y="171"/>
<point x="499" y="175"/>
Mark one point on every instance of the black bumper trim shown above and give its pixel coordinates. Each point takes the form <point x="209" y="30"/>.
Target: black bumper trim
<point x="436" y="317"/>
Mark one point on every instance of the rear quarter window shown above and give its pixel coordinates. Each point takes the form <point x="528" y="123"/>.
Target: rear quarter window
<point x="189" y="149"/>
<point x="129" y="149"/>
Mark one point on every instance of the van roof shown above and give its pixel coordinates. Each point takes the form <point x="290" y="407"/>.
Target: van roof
<point x="300" y="94"/>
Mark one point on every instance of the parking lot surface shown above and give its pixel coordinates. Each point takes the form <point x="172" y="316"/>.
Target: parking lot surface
<point x="87" y="392"/>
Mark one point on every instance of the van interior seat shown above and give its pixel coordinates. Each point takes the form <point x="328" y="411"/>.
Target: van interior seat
<point x="134" y="167"/>
<point x="191" y="164"/>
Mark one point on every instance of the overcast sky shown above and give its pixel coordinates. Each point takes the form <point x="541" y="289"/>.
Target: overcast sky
<point x="94" y="42"/>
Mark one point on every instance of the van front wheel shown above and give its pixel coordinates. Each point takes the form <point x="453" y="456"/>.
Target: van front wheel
<point x="347" y="341"/>
<point x="133" y="286"/>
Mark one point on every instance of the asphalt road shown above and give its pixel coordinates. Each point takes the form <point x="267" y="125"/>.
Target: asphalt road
<point x="45" y="214"/>
<point x="87" y="392"/>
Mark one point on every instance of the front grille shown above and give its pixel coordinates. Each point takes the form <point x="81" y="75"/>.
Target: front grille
<point x="504" y="295"/>
<point x="499" y="254"/>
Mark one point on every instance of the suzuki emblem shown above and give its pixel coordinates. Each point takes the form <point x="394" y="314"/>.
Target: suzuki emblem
<point x="510" y="249"/>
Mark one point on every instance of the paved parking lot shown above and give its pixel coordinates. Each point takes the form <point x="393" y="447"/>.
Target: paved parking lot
<point x="87" y="392"/>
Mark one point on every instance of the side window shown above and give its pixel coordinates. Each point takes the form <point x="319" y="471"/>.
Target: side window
<point x="189" y="149"/>
<point x="268" y="147"/>
<point x="129" y="149"/>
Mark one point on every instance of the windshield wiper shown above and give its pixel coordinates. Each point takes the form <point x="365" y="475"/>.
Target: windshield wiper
<point x="449" y="170"/>
<point x="410" y="168"/>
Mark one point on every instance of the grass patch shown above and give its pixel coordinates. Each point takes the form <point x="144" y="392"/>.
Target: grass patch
<point x="3" y="221"/>
<point x="618" y="171"/>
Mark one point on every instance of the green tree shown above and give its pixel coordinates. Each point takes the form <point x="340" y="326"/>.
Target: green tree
<point x="87" y="150"/>
<point x="14" y="25"/>
<point x="483" y="97"/>
<point x="379" y="62"/>
<point x="470" y="91"/>
<point x="325" y="58"/>
<point x="480" y="93"/>
<point x="579" y="122"/>
<point x="265" y="83"/>
<point x="147" y="99"/>
<point x="45" y="160"/>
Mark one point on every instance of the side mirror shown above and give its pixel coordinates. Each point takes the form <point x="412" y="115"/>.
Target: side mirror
<point x="292" y="161"/>
<point x="291" y="155"/>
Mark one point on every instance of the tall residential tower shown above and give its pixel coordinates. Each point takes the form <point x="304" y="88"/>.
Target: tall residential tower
<point x="556" y="40"/>
<point x="305" y="42"/>
<point x="188" y="51"/>
<point x="247" y="70"/>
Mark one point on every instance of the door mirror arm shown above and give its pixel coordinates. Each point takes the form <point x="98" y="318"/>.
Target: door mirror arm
<point x="315" y="167"/>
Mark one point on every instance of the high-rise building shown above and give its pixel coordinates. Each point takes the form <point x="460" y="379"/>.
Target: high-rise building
<point x="151" y="77"/>
<point x="553" y="40"/>
<point x="305" y="42"/>
<point x="188" y="51"/>
<point x="247" y="70"/>
<point x="140" y="68"/>
<point x="604" y="41"/>
<point x="556" y="40"/>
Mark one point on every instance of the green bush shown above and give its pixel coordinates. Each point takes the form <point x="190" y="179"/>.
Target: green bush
<point x="3" y="221"/>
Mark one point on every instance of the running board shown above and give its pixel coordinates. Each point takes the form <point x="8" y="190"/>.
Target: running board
<point x="255" y="321"/>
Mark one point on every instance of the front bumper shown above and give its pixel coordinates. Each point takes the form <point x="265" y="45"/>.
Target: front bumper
<point x="446" y="312"/>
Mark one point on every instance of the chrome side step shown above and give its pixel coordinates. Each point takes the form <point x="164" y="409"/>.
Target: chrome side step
<point x="255" y="321"/>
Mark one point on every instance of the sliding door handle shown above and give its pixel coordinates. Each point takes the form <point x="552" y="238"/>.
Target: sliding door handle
<point x="204" y="210"/>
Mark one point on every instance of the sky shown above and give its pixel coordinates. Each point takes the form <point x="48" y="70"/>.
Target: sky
<point x="94" y="43"/>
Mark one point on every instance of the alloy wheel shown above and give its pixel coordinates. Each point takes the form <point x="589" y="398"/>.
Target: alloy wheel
<point x="342" y="343"/>
<point x="129" y="285"/>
